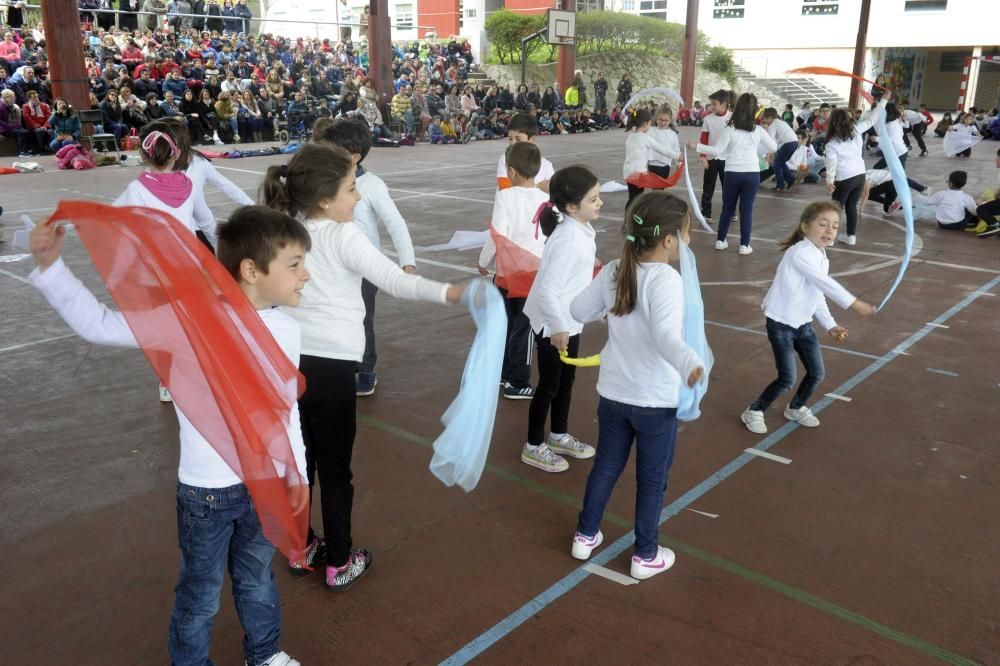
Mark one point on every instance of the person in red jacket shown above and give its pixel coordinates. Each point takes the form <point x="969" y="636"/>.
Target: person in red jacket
<point x="35" y="118"/>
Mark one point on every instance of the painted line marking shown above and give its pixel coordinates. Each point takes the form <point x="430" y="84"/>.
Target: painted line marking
<point x="15" y="276"/>
<point x="883" y="244"/>
<point x="24" y="345"/>
<point x="930" y="323"/>
<point x="614" y="576"/>
<point x="989" y="294"/>
<point x="703" y="513"/>
<point x="838" y="397"/>
<point x="729" y="567"/>
<point x="769" y="456"/>
<point x="743" y="329"/>
<point x="485" y="640"/>
<point x="946" y="373"/>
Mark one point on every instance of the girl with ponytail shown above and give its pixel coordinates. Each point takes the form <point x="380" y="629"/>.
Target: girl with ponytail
<point x="566" y="268"/>
<point x="642" y="367"/>
<point x="318" y="184"/>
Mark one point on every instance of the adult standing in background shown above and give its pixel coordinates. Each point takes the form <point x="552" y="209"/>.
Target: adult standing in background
<point x="365" y="15"/>
<point x="600" y="94"/>
<point x="214" y="13"/>
<point x="581" y="88"/>
<point x="346" y="17"/>
<point x="245" y="16"/>
<point x="624" y="89"/>
<point x="198" y="9"/>
<point x="128" y="19"/>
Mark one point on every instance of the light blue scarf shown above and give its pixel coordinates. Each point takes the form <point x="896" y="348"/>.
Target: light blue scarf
<point x="694" y="335"/>
<point x="902" y="191"/>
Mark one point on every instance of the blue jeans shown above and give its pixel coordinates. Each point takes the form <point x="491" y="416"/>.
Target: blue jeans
<point x="786" y="342"/>
<point x="654" y="430"/>
<point x="783" y="176"/>
<point x="738" y="186"/>
<point x="216" y="528"/>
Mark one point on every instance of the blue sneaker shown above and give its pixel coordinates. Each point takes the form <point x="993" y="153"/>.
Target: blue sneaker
<point x="366" y="383"/>
<point x="512" y="392"/>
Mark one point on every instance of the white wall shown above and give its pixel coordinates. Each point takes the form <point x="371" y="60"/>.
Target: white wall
<point x="327" y="10"/>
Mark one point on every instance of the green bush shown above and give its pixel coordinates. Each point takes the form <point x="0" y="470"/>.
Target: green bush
<point x="596" y="32"/>
<point x="720" y="60"/>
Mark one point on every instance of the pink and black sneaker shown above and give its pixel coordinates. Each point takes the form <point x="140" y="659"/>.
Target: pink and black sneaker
<point x="341" y="578"/>
<point x="643" y="568"/>
<point x="315" y="555"/>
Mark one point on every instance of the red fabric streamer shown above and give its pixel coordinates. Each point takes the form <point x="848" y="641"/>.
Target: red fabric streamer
<point x="651" y="181"/>
<point x="832" y="71"/>
<point x="208" y="346"/>
<point x="516" y="267"/>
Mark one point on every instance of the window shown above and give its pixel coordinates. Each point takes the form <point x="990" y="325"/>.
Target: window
<point x="925" y="5"/>
<point x="404" y="16"/>
<point x="628" y="6"/>
<point x="589" y="5"/>
<point x="819" y="8"/>
<point x="470" y="13"/>
<point x="725" y="9"/>
<point x="652" y="5"/>
<point x="953" y="61"/>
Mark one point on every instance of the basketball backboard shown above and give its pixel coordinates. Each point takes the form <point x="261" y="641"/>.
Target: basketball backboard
<point x="562" y="27"/>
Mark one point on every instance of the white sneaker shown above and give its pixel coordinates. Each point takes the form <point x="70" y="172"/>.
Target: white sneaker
<point x="583" y="546"/>
<point x="754" y="421"/>
<point x="721" y="244"/>
<point x="847" y="240"/>
<point x="280" y="659"/>
<point x="803" y="416"/>
<point x="643" y="569"/>
<point x="165" y="394"/>
<point x="568" y="445"/>
<point x="543" y="458"/>
<point x="746" y="249"/>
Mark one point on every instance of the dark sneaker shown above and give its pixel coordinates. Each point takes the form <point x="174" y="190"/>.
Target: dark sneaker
<point x="518" y="392"/>
<point x="341" y="578"/>
<point x="990" y="230"/>
<point x="314" y="557"/>
<point x="366" y="383"/>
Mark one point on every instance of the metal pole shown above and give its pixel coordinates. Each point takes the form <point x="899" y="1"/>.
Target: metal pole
<point x="690" y="55"/>
<point x="860" y="47"/>
<point x="524" y="52"/>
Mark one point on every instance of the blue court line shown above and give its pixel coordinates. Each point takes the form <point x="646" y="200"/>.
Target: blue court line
<point x="947" y="373"/>
<point x="478" y="645"/>
<point x="743" y="329"/>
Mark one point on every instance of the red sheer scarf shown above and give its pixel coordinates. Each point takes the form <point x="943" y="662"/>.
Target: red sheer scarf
<point x="209" y="347"/>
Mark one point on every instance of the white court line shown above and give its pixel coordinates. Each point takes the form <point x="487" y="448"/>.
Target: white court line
<point x="838" y="397"/>
<point x="769" y="456"/>
<point x="614" y="576"/>
<point x="703" y="513"/>
<point x="36" y="342"/>
<point x="946" y="373"/>
<point x="930" y="323"/>
<point x="16" y="276"/>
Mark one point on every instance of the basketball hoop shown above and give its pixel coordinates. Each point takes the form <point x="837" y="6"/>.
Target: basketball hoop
<point x="561" y="27"/>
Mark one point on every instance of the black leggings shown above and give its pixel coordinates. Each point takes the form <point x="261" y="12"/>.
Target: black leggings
<point x="554" y="390"/>
<point x="329" y="422"/>
<point x="847" y="193"/>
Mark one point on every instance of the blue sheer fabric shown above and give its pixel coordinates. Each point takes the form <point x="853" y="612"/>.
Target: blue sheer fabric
<point x="694" y="335"/>
<point x="460" y="451"/>
<point x="905" y="198"/>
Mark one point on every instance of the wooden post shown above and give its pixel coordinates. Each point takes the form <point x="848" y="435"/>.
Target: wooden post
<point x="860" y="47"/>
<point x="567" y="56"/>
<point x="690" y="55"/>
<point x="62" y="41"/>
<point x="380" y="54"/>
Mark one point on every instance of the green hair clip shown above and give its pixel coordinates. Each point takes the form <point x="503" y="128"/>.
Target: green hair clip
<point x="656" y="231"/>
<point x="630" y="238"/>
<point x="638" y="220"/>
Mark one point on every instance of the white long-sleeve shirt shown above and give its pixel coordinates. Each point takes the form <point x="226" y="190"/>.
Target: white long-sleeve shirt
<point x="513" y="211"/>
<point x="845" y="158"/>
<point x="645" y="360"/>
<point x="193" y="213"/>
<point x="801" y="286"/>
<point x="667" y="137"/>
<point x="200" y="465"/>
<point x="377" y="207"/>
<point x="781" y="132"/>
<point x="713" y="125"/>
<point x="739" y="148"/>
<point x="894" y="128"/>
<point x="332" y="311"/>
<point x="950" y="205"/>
<point x="201" y="171"/>
<point x="545" y="171"/>
<point x="639" y="148"/>
<point x="567" y="267"/>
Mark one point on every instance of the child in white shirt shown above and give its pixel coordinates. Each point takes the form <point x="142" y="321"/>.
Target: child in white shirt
<point x="217" y="521"/>
<point x="376" y="207"/>
<point x="787" y="142"/>
<point x="523" y="127"/>
<point x="954" y="209"/>
<point x="714" y="123"/>
<point x="567" y="267"/>
<point x="643" y="366"/>
<point x="796" y="296"/>
<point x="641" y="146"/>
<point x="320" y="182"/>
<point x="514" y="212"/>
<point x="663" y="132"/>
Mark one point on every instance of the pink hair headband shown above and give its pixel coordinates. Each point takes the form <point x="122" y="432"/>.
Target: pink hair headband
<point x="150" y="142"/>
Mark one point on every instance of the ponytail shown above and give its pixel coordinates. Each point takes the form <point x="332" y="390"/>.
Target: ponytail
<point x="651" y="217"/>
<point x="315" y="172"/>
<point x="637" y="119"/>
<point x="568" y="187"/>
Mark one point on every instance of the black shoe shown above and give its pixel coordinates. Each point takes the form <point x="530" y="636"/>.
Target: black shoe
<point x="991" y="230"/>
<point x="358" y="564"/>
<point x="923" y="154"/>
<point x="314" y="557"/>
<point x="512" y="392"/>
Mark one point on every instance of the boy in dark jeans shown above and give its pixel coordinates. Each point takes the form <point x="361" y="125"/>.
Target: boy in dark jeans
<point x="714" y="123"/>
<point x="217" y="521"/>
